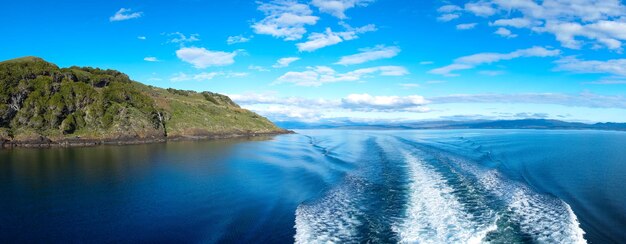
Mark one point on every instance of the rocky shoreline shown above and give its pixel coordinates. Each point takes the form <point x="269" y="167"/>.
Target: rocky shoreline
<point x="44" y="142"/>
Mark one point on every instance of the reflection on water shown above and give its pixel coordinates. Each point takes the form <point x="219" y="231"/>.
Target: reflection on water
<point x="179" y="191"/>
<point x="323" y="185"/>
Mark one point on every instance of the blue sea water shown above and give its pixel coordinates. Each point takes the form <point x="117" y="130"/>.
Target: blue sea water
<point x="406" y="186"/>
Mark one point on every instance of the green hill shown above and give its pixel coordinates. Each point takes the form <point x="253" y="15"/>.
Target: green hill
<point x="43" y="104"/>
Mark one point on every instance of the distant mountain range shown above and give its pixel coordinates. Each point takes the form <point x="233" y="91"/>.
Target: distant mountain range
<point x="474" y="124"/>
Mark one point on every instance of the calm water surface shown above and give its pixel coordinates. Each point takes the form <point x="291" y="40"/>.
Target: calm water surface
<point x="448" y="186"/>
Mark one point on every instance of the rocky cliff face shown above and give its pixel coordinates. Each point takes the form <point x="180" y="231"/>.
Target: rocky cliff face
<point x="41" y="103"/>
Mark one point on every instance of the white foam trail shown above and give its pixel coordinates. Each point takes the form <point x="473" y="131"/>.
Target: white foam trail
<point x="546" y="218"/>
<point x="434" y="214"/>
<point x="334" y="219"/>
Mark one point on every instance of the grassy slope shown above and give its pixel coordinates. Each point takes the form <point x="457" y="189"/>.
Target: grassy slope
<point x="93" y="104"/>
<point x="195" y="113"/>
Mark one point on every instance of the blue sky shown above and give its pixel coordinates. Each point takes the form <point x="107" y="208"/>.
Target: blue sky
<point x="357" y="59"/>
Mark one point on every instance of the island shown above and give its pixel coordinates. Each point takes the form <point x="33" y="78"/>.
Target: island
<point x="44" y="105"/>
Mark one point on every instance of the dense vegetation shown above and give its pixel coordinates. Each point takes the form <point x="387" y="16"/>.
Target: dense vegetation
<point x="40" y="100"/>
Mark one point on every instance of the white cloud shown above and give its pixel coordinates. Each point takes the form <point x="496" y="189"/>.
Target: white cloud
<point x="514" y="22"/>
<point x="609" y="34"/>
<point x="369" y="54"/>
<point x="202" y="58"/>
<point x="504" y="32"/>
<point x="151" y="59"/>
<point x="338" y="8"/>
<point x="426" y="62"/>
<point x="448" y="17"/>
<point x="258" y="68"/>
<point x="125" y="14"/>
<point x="471" y="61"/>
<point x="573" y="23"/>
<point x="449" y="12"/>
<point x="449" y="9"/>
<point x="467" y="26"/>
<point x="284" y="19"/>
<point x="141" y="38"/>
<point x="319" y="75"/>
<point x="284" y="62"/>
<point x="328" y="38"/>
<point x="480" y="8"/>
<point x="237" y="39"/>
<point x="181" y="38"/>
<point x="319" y="40"/>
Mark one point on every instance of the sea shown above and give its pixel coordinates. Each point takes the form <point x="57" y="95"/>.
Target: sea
<point x="324" y="186"/>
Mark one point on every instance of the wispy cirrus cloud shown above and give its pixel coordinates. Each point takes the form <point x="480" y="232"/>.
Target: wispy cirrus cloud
<point x="448" y="17"/>
<point x="615" y="67"/>
<point x="180" y="38"/>
<point x="471" y="61"/>
<point x="205" y="76"/>
<point x="514" y="22"/>
<point x="608" y="81"/>
<point x="480" y="8"/>
<point x="448" y="13"/>
<point x="491" y="72"/>
<point x="125" y="14"/>
<point x="370" y="54"/>
<point x="584" y="99"/>
<point x="329" y="37"/>
<point x="284" y="62"/>
<point x="409" y="85"/>
<point x="319" y="75"/>
<point x="196" y="77"/>
<point x="466" y="26"/>
<point x="151" y="59"/>
<point x="258" y="68"/>
<point x="237" y="39"/>
<point x="504" y="32"/>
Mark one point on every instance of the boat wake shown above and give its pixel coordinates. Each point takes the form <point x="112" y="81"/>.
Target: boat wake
<point x="408" y="192"/>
